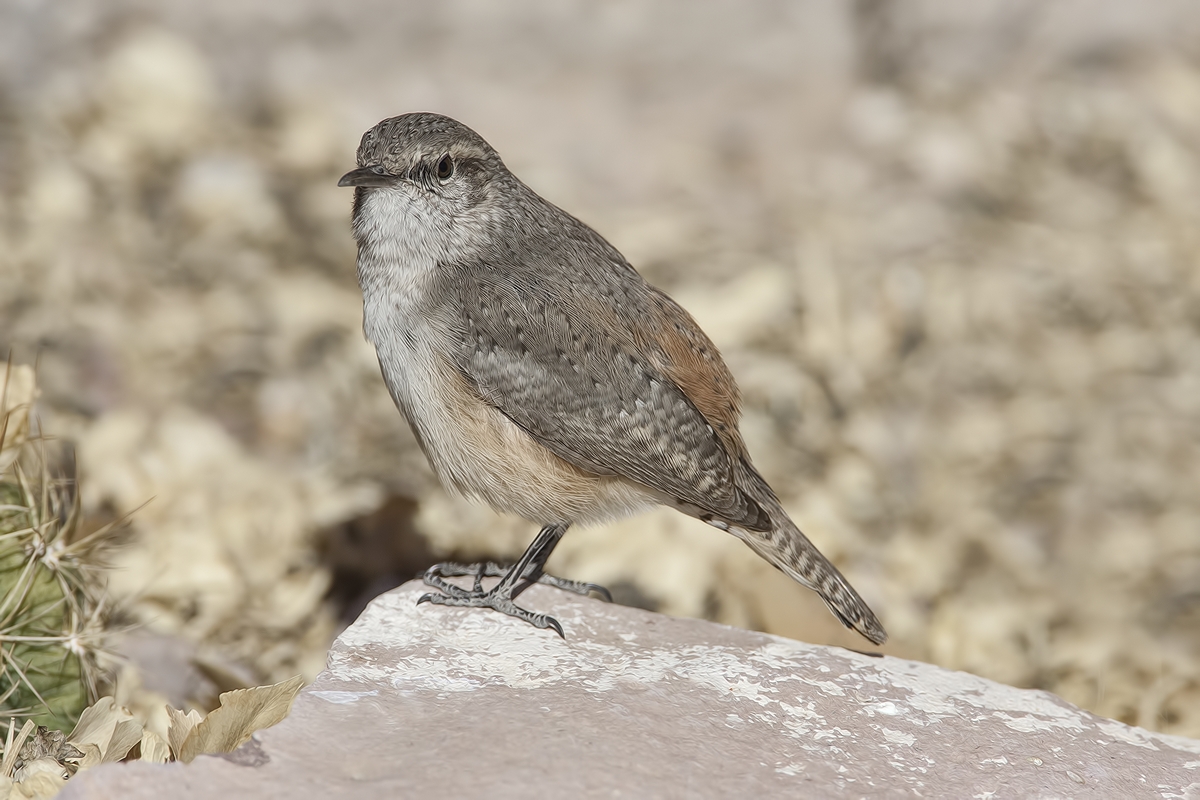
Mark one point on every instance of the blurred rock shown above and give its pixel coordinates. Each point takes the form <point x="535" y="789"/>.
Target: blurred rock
<point x="226" y="194"/>
<point x="157" y="98"/>
<point x="230" y="560"/>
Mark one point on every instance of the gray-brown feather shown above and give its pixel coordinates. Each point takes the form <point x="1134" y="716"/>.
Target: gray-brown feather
<point x="789" y="550"/>
<point x="582" y="390"/>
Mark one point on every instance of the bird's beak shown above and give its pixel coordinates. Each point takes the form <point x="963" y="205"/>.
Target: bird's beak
<point x="373" y="175"/>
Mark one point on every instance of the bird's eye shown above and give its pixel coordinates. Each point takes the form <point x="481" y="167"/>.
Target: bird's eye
<point x="445" y="168"/>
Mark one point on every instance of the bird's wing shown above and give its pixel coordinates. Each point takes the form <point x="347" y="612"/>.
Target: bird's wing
<point x="585" y="392"/>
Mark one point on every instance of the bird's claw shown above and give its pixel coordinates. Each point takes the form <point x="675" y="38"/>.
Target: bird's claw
<point x="604" y="593"/>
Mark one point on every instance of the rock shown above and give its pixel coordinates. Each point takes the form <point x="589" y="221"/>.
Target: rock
<point x="429" y="701"/>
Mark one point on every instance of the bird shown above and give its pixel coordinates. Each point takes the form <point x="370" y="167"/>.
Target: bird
<point x="542" y="374"/>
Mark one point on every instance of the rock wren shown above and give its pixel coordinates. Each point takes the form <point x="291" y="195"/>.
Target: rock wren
<point x="541" y="373"/>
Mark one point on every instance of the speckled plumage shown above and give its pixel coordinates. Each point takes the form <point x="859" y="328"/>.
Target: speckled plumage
<point x="539" y="371"/>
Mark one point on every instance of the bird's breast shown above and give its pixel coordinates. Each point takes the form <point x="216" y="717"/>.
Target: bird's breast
<point x="472" y="446"/>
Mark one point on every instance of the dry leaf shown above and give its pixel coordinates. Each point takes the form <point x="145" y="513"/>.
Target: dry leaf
<point x="181" y="726"/>
<point x="125" y="736"/>
<point x="242" y="712"/>
<point x="96" y="723"/>
<point x="92" y="755"/>
<point x="108" y="726"/>
<point x="154" y="749"/>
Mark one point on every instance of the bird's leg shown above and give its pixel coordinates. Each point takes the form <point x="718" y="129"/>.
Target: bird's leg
<point x="526" y="572"/>
<point x="436" y="574"/>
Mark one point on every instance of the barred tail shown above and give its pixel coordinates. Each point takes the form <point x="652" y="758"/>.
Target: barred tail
<point x="784" y="546"/>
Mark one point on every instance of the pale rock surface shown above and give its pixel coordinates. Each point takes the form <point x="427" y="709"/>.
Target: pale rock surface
<point x="429" y="701"/>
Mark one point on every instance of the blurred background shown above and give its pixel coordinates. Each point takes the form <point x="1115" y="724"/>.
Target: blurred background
<point x="950" y="251"/>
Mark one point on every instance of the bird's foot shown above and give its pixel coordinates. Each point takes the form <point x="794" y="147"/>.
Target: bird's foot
<point x="500" y="597"/>
<point x="497" y="602"/>
<point x="435" y="575"/>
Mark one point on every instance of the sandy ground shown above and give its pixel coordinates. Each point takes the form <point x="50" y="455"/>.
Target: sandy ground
<point x="949" y="250"/>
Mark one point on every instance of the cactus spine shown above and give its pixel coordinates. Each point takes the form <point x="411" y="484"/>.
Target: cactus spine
<point x="51" y="605"/>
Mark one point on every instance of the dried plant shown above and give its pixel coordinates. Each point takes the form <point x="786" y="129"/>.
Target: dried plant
<point x="38" y="761"/>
